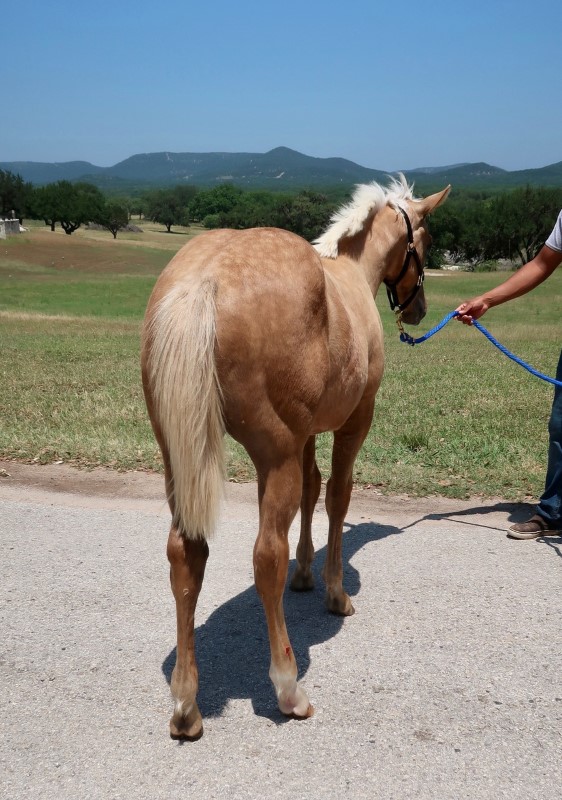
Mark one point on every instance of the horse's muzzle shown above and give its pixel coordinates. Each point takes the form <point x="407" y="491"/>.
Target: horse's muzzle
<point x="415" y="311"/>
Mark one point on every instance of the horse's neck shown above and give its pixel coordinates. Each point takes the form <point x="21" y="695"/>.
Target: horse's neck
<point x="372" y="252"/>
<point x="349" y="280"/>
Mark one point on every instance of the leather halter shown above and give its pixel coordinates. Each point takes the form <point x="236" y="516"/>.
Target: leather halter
<point x="395" y="304"/>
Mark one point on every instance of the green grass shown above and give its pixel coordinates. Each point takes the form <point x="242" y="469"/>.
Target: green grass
<point x="71" y="391"/>
<point x="107" y="296"/>
<point x="453" y="416"/>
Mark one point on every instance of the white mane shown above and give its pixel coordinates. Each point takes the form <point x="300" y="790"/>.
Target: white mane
<point x="367" y="200"/>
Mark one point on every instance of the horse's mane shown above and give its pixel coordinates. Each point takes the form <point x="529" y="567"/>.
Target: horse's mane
<point x="367" y="200"/>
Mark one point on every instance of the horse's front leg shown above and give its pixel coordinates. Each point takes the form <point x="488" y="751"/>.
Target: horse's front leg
<point x="302" y="579"/>
<point x="188" y="558"/>
<point x="347" y="443"/>
<point x="280" y="491"/>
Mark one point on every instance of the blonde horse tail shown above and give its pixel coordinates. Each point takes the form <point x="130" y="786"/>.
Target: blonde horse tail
<point x="188" y="403"/>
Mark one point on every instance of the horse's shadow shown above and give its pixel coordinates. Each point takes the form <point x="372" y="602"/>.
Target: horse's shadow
<point x="232" y="646"/>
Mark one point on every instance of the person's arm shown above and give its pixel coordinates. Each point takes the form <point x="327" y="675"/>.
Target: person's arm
<point x="526" y="278"/>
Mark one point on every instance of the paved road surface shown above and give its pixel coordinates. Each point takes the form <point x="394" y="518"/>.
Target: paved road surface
<point x="445" y="684"/>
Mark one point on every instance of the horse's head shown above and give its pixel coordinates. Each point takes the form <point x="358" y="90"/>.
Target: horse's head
<point x="385" y="230"/>
<point x="405" y="272"/>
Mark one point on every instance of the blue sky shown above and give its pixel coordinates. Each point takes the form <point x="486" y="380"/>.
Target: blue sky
<point x="390" y="85"/>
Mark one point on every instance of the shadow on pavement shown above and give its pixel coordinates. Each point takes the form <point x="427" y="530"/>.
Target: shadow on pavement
<point x="232" y="646"/>
<point x="516" y="512"/>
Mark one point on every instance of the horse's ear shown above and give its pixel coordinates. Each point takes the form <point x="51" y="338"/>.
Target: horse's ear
<point x="429" y="204"/>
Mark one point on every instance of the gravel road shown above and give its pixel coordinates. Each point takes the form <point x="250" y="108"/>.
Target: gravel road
<point x="444" y="684"/>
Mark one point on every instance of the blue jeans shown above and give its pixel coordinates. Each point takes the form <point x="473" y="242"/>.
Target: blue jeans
<point x="550" y="504"/>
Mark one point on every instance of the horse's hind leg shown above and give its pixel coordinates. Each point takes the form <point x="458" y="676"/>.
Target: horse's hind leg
<point x="279" y="494"/>
<point x="187" y="566"/>
<point x="187" y="558"/>
<point x="302" y="579"/>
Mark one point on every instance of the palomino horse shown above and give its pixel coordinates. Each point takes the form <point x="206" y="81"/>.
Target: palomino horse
<point x="259" y="334"/>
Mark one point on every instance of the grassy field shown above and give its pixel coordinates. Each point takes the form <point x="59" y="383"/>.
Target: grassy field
<point x="453" y="416"/>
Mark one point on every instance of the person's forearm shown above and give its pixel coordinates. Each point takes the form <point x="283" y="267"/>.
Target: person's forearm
<point x="524" y="280"/>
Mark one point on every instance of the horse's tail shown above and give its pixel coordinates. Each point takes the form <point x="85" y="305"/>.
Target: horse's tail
<point x="188" y="403"/>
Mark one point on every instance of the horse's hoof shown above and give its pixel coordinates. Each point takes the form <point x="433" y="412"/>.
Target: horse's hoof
<point x="295" y="703"/>
<point x="186" y="733"/>
<point x="302" y="582"/>
<point x="308" y="713"/>
<point x="188" y="728"/>
<point x="340" y="604"/>
<point x="297" y="710"/>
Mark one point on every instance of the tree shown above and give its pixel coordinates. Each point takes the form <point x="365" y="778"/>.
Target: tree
<point x="185" y="194"/>
<point x="307" y="214"/>
<point x="445" y="230"/>
<point x="521" y="221"/>
<point x="168" y="207"/>
<point x="15" y="195"/>
<point x="139" y="204"/>
<point x="71" y="204"/>
<point x="44" y="204"/>
<point x="475" y="229"/>
<point x="125" y="202"/>
<point x="250" y="210"/>
<point x="114" y="216"/>
<point x="86" y="205"/>
<point x="219" y="200"/>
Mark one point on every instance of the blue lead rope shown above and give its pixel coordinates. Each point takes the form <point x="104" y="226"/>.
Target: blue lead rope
<point x="405" y="337"/>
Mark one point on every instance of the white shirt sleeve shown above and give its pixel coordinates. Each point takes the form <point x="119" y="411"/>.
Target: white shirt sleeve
<point x="554" y="241"/>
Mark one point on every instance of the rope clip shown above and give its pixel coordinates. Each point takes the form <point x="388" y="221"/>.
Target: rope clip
<point x="404" y="336"/>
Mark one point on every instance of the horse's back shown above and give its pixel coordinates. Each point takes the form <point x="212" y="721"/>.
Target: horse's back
<point x="248" y="264"/>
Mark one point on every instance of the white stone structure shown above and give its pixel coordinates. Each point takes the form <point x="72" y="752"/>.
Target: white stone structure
<point x="9" y="227"/>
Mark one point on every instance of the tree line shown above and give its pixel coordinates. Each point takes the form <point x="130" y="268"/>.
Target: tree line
<point x="71" y="205"/>
<point x="471" y="228"/>
<point x="476" y="229"/>
<point x="68" y="204"/>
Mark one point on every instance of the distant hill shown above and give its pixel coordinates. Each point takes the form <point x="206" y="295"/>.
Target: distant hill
<point x="431" y="170"/>
<point x="467" y="176"/>
<point x="40" y="173"/>
<point x="281" y="168"/>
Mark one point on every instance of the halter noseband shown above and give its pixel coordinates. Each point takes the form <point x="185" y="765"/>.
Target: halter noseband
<point x="395" y="304"/>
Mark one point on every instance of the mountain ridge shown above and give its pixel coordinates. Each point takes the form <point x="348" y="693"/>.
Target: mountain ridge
<point x="280" y="168"/>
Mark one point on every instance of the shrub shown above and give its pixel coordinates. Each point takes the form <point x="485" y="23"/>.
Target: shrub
<point x="486" y="266"/>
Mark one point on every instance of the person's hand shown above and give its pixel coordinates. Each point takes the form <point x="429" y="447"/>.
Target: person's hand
<point x="472" y="309"/>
